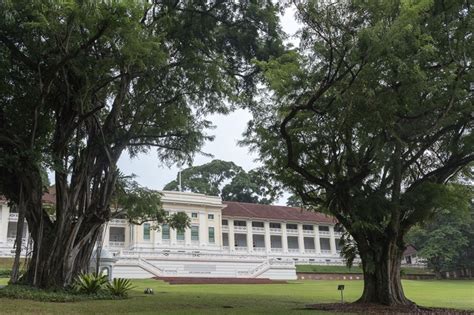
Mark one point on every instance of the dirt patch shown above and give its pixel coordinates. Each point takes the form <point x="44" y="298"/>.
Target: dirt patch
<point x="381" y="309"/>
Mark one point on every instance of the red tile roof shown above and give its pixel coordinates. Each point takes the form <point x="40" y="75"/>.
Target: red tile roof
<point x="279" y="213"/>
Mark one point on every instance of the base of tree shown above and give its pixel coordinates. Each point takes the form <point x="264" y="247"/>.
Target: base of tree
<point x="366" y="308"/>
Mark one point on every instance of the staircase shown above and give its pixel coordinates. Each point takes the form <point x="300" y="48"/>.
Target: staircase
<point x="195" y="280"/>
<point x="149" y="267"/>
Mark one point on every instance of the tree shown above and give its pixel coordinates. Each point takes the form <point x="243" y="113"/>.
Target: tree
<point x="205" y="179"/>
<point x="255" y="186"/>
<point x="84" y="81"/>
<point x="229" y="181"/>
<point x="445" y="240"/>
<point x="370" y="119"/>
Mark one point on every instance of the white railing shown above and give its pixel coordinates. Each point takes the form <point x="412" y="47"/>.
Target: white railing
<point x="225" y="228"/>
<point x="240" y="248"/>
<point x="240" y="228"/>
<point x="324" y="233"/>
<point x="293" y="250"/>
<point x="292" y="231"/>
<point x="278" y="230"/>
<point x="308" y="231"/>
<point x="116" y="244"/>
<point x="337" y="233"/>
<point x="259" y="249"/>
<point x="277" y="250"/>
<point x="310" y="251"/>
<point x="13" y="217"/>
<point x="118" y="221"/>
<point x="225" y="247"/>
<point x="258" y="229"/>
<point x="325" y="251"/>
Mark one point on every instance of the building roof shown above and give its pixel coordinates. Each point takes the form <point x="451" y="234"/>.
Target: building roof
<point x="410" y="250"/>
<point x="252" y="210"/>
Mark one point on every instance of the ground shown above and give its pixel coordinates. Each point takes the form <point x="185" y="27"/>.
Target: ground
<point x="354" y="269"/>
<point x="246" y="299"/>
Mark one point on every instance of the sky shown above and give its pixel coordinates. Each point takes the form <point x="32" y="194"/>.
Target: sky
<point x="150" y="172"/>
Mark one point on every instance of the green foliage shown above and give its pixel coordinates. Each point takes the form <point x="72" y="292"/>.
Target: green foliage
<point x="374" y="115"/>
<point x="31" y="293"/>
<point x="120" y="287"/>
<point x="5" y="273"/>
<point x="90" y="283"/>
<point x="446" y="241"/>
<point x="207" y="178"/>
<point x="83" y="82"/>
<point x="229" y="181"/>
<point x="140" y="204"/>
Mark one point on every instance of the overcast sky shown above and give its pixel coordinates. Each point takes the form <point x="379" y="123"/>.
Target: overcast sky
<point x="229" y="128"/>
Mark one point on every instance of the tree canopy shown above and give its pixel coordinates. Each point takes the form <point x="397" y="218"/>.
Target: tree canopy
<point x="84" y="81"/>
<point x="370" y="118"/>
<point x="446" y="241"/>
<point x="229" y="181"/>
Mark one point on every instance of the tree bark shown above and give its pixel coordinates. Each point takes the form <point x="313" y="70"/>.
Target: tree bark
<point x="57" y="263"/>
<point x="382" y="280"/>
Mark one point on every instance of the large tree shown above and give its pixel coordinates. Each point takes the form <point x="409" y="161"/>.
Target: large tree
<point x="229" y="181"/>
<point x="83" y="81"/>
<point x="370" y="119"/>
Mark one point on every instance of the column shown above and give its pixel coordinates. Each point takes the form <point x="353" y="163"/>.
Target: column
<point x="284" y="238"/>
<point x="268" y="243"/>
<point x="231" y="235"/>
<point x="157" y="240"/>
<point x="127" y="234"/>
<point x="203" y="231"/>
<point x="317" y="243"/>
<point x="173" y="237"/>
<point x="4" y="215"/>
<point x="332" y="240"/>
<point x="106" y="236"/>
<point x="187" y="236"/>
<point x="300" y="238"/>
<point x="249" y="236"/>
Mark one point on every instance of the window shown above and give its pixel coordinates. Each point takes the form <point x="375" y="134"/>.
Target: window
<point x="308" y="227"/>
<point x="212" y="238"/>
<point x="292" y="226"/>
<point x="195" y="233"/>
<point x="210" y="216"/>
<point x="165" y="232"/>
<point x="324" y="228"/>
<point x="275" y="225"/>
<point x="146" y="231"/>
<point x="225" y="222"/>
<point x="180" y="235"/>
<point x="194" y="215"/>
<point x="258" y="224"/>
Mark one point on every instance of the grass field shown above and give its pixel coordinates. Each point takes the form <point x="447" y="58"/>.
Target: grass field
<point x="245" y="299"/>
<point x="354" y="269"/>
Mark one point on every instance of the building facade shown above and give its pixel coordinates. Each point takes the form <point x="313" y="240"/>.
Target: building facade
<point x="225" y="239"/>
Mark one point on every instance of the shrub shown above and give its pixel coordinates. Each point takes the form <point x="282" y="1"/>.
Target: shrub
<point x="119" y="287"/>
<point x="90" y="283"/>
<point x="31" y="293"/>
<point x="5" y="273"/>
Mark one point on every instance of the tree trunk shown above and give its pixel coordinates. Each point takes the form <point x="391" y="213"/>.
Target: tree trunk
<point x="57" y="263"/>
<point x="382" y="280"/>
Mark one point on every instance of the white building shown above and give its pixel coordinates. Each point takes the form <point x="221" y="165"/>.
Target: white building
<point x="226" y="239"/>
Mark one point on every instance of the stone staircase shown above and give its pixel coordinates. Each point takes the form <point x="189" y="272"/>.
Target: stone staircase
<point x="206" y="280"/>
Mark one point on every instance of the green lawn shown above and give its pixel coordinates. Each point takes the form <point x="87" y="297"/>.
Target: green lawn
<point x="354" y="269"/>
<point x="245" y="299"/>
